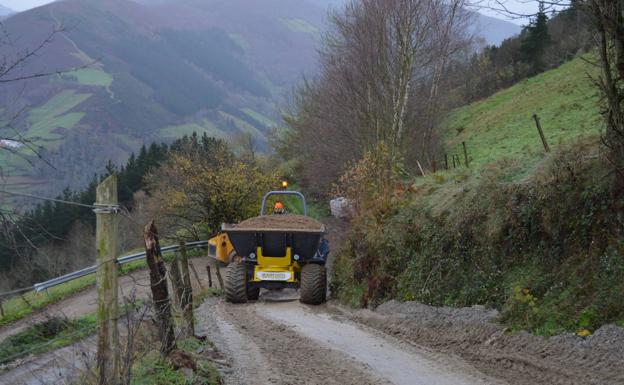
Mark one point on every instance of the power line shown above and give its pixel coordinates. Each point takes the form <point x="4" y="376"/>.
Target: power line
<point x="48" y="199"/>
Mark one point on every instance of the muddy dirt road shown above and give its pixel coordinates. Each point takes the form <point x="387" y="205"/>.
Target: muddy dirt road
<point x="284" y="342"/>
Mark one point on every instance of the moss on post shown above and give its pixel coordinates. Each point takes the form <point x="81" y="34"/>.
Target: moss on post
<point x="106" y="279"/>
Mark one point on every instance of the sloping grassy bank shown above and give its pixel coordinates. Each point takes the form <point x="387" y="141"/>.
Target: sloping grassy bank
<point x="547" y="251"/>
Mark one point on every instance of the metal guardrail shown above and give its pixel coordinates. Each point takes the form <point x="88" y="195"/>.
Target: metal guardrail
<point x="120" y="261"/>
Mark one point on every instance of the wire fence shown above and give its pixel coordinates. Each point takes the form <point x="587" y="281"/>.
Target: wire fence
<point x="38" y="287"/>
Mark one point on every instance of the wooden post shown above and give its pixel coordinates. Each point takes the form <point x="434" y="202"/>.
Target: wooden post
<point x="420" y="168"/>
<point x="199" y="282"/>
<point x="176" y="282"/>
<point x="219" y="277"/>
<point x="186" y="302"/>
<point x="160" y="294"/>
<point x="446" y="161"/>
<point x="453" y="156"/>
<point x="106" y="278"/>
<point x="433" y="164"/>
<point x="541" y="133"/>
<point x="209" y="275"/>
<point x="1" y="309"/>
<point x="465" y="154"/>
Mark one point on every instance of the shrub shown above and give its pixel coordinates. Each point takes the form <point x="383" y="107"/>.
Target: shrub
<point x="547" y="250"/>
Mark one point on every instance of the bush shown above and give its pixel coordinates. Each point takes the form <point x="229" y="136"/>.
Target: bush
<point x="548" y="250"/>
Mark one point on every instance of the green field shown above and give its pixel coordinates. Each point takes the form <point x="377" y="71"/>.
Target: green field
<point x="258" y="117"/>
<point x="242" y="125"/>
<point x="300" y="25"/>
<point x="91" y="77"/>
<point x="502" y="125"/>
<point x="52" y="115"/>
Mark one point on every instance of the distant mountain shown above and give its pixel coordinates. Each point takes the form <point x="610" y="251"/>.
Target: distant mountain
<point x="491" y="29"/>
<point x="162" y="69"/>
<point x="494" y="30"/>
<point x="155" y="70"/>
<point x="5" y="11"/>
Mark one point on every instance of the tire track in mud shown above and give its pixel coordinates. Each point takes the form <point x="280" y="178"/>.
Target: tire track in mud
<point x="264" y="352"/>
<point x="289" y="343"/>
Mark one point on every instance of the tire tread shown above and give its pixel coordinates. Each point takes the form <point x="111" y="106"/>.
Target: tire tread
<point x="313" y="284"/>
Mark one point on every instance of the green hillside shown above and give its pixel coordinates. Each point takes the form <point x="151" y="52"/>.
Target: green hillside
<point x="531" y="234"/>
<point x="502" y="125"/>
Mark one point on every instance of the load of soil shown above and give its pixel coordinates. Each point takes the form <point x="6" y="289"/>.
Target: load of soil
<point x="286" y="221"/>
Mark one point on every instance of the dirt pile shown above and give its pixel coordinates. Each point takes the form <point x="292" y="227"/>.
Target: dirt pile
<point x="286" y="222"/>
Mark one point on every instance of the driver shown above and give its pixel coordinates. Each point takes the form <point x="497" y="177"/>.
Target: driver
<point x="278" y="208"/>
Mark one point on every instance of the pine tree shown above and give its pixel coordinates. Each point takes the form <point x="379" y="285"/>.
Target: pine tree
<point x="536" y="41"/>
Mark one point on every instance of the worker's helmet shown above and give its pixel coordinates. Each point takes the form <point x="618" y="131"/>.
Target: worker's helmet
<point x="278" y="208"/>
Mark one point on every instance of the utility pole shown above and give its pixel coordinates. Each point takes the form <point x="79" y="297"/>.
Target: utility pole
<point x="106" y="277"/>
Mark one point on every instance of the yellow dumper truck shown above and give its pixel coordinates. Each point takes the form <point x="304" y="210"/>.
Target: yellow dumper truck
<point x="273" y="251"/>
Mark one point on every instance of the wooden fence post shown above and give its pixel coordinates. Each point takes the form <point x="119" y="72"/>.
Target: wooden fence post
<point x="160" y="293"/>
<point x="199" y="282"/>
<point x="422" y="172"/>
<point x="209" y="275"/>
<point x="176" y="282"/>
<point x="446" y="161"/>
<point x="465" y="153"/>
<point x="541" y="133"/>
<point x="187" y="294"/>
<point x="106" y="277"/>
<point x="219" y="277"/>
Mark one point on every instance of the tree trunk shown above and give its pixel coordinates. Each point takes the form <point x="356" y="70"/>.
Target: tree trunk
<point x="160" y="294"/>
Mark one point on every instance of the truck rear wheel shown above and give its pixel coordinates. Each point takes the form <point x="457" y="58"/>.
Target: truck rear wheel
<point x="313" y="284"/>
<point x="236" y="282"/>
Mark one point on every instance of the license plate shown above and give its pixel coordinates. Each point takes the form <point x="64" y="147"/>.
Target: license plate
<point x="273" y="275"/>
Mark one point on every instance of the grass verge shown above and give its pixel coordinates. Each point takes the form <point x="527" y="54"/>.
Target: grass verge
<point x="19" y="307"/>
<point x="51" y="334"/>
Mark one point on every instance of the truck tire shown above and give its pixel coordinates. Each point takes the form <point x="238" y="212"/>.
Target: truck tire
<point x="313" y="284"/>
<point x="253" y="294"/>
<point x="236" y="282"/>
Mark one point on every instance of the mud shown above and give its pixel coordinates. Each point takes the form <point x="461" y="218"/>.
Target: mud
<point x="387" y="357"/>
<point x="518" y="358"/>
<point x="261" y="351"/>
<point x="280" y="222"/>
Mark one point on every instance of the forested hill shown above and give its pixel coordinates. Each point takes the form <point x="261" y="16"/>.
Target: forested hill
<point x="155" y="70"/>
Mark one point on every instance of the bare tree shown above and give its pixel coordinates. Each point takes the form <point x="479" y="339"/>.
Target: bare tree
<point x="382" y="69"/>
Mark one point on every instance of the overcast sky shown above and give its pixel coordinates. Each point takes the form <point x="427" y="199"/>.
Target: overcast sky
<point x="519" y="6"/>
